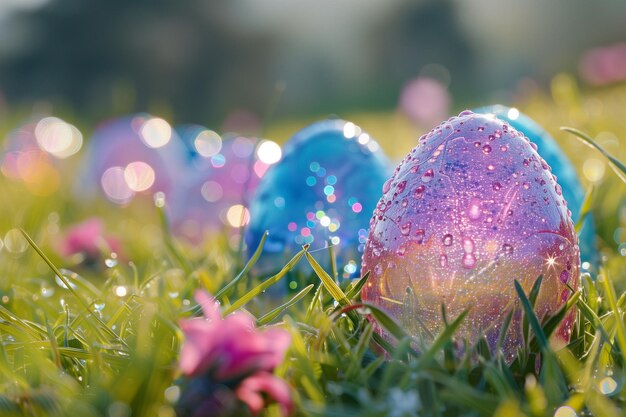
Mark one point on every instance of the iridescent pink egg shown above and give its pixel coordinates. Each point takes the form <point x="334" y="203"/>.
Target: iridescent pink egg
<point x="469" y="210"/>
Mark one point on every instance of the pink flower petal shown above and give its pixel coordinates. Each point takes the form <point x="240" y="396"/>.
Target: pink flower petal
<point x="251" y="388"/>
<point x="210" y="306"/>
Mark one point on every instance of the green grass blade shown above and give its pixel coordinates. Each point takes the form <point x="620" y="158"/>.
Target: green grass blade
<point x="255" y="257"/>
<point x="169" y="243"/>
<point x="443" y="338"/>
<point x="356" y="288"/>
<point x="614" y="163"/>
<point x="585" y="209"/>
<point x="553" y="321"/>
<point x="387" y="322"/>
<point x="542" y="340"/>
<point x="609" y="292"/>
<point x="328" y="282"/>
<point x="246" y="298"/>
<point x="102" y="326"/>
<point x="278" y="310"/>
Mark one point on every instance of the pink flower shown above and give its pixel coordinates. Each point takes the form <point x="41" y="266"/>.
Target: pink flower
<point x="231" y="350"/>
<point x="601" y="66"/>
<point x="88" y="238"/>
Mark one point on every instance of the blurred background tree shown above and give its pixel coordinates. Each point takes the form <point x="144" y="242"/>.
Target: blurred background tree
<point x="200" y="60"/>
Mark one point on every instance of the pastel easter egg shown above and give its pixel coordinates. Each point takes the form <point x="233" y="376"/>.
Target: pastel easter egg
<point x="469" y="210"/>
<point x="562" y="168"/>
<point x="322" y="191"/>
<point x="219" y="184"/>
<point x="134" y="155"/>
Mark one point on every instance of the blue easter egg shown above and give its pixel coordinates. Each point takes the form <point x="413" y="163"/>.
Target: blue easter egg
<point x="562" y="168"/>
<point x="323" y="191"/>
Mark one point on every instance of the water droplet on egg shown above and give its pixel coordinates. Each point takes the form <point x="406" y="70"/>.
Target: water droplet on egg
<point x="474" y="212"/>
<point x="469" y="260"/>
<point x="468" y="245"/>
<point x="387" y="185"/>
<point x="419" y="192"/>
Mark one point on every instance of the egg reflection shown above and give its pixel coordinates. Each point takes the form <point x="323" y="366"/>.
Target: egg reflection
<point x="133" y="155"/>
<point x="218" y="184"/>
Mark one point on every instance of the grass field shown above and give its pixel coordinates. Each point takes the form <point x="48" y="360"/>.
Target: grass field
<point x="103" y="338"/>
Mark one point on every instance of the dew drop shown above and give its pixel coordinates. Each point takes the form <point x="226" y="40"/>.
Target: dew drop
<point x="428" y="175"/>
<point x="473" y="211"/>
<point x="490" y="167"/>
<point x="564" y="277"/>
<point x="496" y="186"/>
<point x="469" y="260"/>
<point x="481" y="129"/>
<point x="443" y="260"/>
<point x="558" y="189"/>
<point x="387" y="185"/>
<point x="378" y="269"/>
<point x="419" y="235"/>
<point x="486" y="149"/>
<point x="607" y="385"/>
<point x="419" y="192"/>
<point x="110" y="263"/>
<point x="401" y="187"/>
<point x="468" y="245"/>
<point x="508" y="249"/>
<point x="405" y="202"/>
<point x="46" y="291"/>
<point x="447" y="240"/>
<point x="526" y="186"/>
<point x="401" y="250"/>
<point x="405" y="229"/>
<point x="565" y="411"/>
